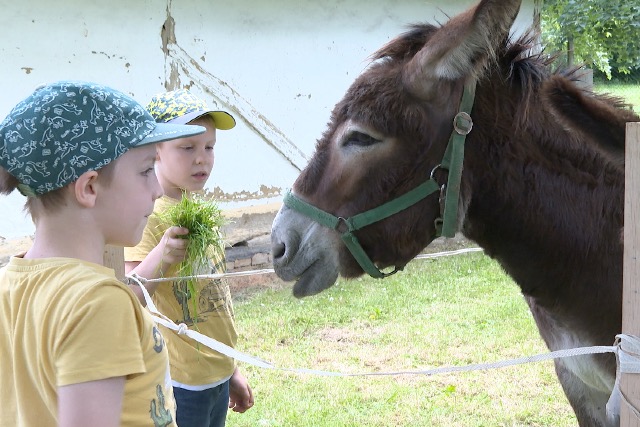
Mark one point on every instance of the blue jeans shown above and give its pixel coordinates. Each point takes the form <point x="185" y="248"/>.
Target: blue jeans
<point x="206" y="408"/>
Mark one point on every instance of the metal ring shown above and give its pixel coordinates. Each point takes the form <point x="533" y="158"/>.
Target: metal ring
<point x="469" y="122"/>
<point x="433" y="171"/>
<point x="342" y="223"/>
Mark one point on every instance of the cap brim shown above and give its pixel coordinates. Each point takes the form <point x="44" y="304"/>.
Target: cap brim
<point x="222" y="119"/>
<point x="168" y="131"/>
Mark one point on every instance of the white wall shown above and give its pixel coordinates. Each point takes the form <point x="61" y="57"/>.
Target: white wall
<point x="279" y="66"/>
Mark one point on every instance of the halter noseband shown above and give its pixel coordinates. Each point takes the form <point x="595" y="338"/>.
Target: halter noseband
<point x="446" y="225"/>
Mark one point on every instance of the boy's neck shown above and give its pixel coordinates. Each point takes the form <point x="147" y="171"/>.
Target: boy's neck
<point x="69" y="237"/>
<point x="176" y="193"/>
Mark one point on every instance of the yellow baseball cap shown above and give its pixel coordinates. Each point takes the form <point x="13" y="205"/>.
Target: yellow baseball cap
<point x="181" y="107"/>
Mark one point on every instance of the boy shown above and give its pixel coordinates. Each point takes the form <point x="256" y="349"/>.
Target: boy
<point x="77" y="348"/>
<point x="206" y="383"/>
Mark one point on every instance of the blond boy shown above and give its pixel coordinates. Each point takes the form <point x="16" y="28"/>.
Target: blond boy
<point x="206" y="383"/>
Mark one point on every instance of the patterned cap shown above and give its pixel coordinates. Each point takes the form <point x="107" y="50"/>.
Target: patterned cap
<point x="67" y="128"/>
<point x="181" y="106"/>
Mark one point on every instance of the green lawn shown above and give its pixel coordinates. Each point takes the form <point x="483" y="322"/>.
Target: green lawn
<point x="630" y="92"/>
<point x="447" y="312"/>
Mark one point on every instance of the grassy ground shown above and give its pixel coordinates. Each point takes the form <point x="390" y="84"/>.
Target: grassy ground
<point x="450" y="311"/>
<point x="630" y="92"/>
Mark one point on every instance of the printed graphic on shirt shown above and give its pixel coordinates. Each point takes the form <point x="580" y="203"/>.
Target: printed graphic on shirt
<point x="213" y="297"/>
<point x="158" y="340"/>
<point x="183" y="295"/>
<point x="159" y="414"/>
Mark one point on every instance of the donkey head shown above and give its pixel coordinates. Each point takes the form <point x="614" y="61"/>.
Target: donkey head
<point x="384" y="138"/>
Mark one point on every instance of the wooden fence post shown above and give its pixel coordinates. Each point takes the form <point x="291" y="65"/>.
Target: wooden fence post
<point x="630" y="383"/>
<point x="114" y="258"/>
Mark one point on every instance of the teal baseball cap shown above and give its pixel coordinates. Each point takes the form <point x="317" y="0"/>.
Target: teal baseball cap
<point x="67" y="128"/>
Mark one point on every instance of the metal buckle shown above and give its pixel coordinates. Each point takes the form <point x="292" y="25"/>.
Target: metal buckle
<point x="462" y="123"/>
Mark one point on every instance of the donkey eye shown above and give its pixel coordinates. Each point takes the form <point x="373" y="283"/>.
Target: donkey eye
<point x="360" y="139"/>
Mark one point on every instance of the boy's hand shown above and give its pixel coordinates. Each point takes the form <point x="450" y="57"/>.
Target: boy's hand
<point x="240" y="393"/>
<point x="174" y="246"/>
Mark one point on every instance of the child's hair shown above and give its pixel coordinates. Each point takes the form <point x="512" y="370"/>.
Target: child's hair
<point x="8" y="182"/>
<point x="67" y="128"/>
<point x="49" y="201"/>
<point x="201" y="119"/>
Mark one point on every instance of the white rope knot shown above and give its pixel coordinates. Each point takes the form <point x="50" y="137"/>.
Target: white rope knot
<point x="182" y="329"/>
<point x="137" y="279"/>
<point x="628" y="353"/>
<point x="628" y="362"/>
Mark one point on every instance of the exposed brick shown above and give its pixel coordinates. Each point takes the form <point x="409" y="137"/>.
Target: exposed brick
<point x="242" y="263"/>
<point x="260" y="259"/>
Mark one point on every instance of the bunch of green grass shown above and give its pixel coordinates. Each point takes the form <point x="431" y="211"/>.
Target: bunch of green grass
<point x="204" y="220"/>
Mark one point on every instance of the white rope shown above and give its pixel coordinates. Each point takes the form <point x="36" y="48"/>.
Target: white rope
<point x="231" y="352"/>
<point x="270" y="270"/>
<point x="448" y="253"/>
<point x="207" y="276"/>
<point x="182" y="329"/>
<point x="626" y="347"/>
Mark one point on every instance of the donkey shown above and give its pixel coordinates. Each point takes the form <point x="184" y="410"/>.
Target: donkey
<point x="528" y="184"/>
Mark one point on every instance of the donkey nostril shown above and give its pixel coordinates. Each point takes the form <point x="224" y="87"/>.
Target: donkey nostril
<point x="278" y="250"/>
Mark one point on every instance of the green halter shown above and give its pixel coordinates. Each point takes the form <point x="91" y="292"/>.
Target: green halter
<point x="445" y="225"/>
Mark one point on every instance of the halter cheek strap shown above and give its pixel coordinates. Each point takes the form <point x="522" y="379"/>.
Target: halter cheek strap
<point x="361" y="220"/>
<point x="452" y="161"/>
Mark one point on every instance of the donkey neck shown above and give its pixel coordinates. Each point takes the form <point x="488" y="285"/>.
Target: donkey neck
<point x="543" y="205"/>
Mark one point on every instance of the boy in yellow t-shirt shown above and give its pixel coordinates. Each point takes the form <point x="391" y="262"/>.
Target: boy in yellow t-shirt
<point x="77" y="347"/>
<point x="206" y="383"/>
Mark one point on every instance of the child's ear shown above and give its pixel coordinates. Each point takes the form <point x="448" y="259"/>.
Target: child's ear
<point x="85" y="189"/>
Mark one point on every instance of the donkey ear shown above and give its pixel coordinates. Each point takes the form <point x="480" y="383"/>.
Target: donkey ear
<point x="462" y="46"/>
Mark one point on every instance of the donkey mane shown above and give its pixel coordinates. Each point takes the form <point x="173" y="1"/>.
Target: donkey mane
<point x="521" y="59"/>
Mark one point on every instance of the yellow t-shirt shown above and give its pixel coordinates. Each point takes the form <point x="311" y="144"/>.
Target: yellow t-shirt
<point x="65" y="321"/>
<point x="192" y="364"/>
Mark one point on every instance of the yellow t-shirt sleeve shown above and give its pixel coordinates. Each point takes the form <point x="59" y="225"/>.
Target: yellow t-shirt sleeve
<point x="102" y="337"/>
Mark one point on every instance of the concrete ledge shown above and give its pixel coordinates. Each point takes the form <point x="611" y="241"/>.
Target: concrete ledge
<point x="248" y="237"/>
<point x="246" y="224"/>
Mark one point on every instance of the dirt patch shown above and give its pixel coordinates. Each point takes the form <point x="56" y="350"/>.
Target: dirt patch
<point x="443" y="244"/>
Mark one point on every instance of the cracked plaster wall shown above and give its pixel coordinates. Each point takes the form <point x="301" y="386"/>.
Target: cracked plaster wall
<point x="279" y="67"/>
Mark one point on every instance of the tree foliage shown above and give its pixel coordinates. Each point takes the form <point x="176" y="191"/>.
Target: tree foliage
<point x="605" y="33"/>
